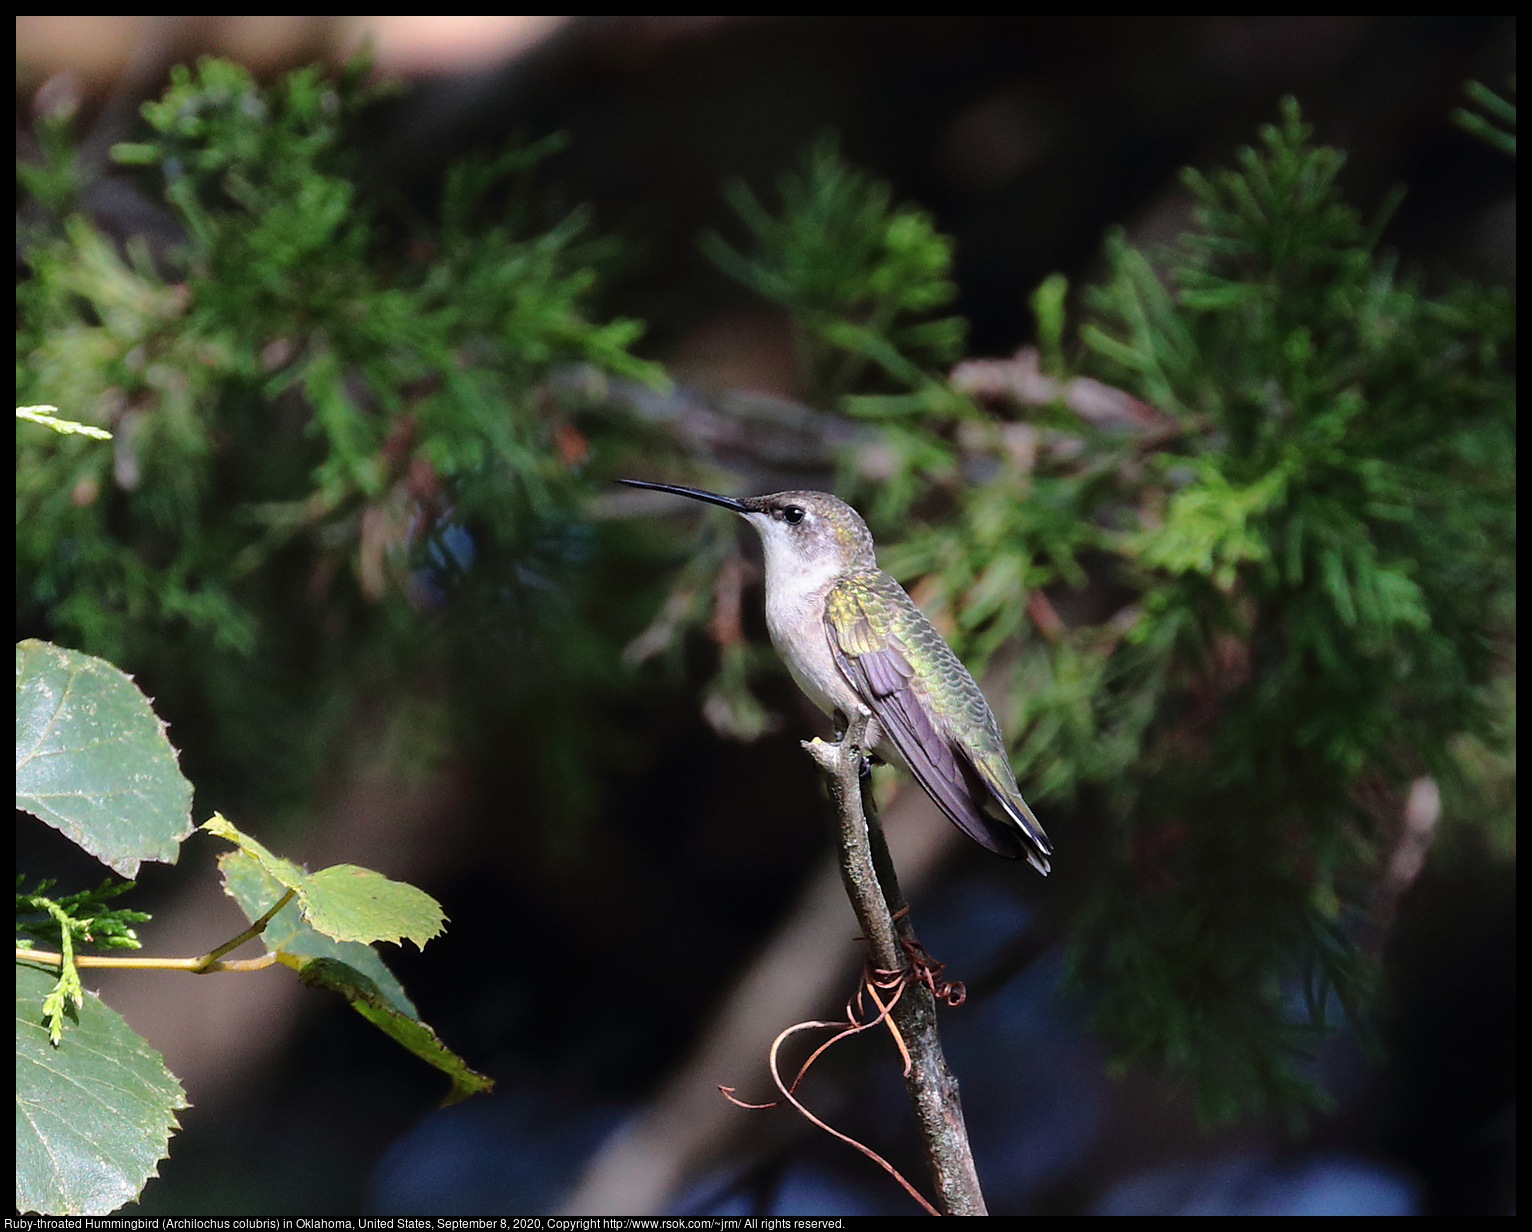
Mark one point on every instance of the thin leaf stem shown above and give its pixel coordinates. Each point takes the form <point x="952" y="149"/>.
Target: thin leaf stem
<point x="201" y="966"/>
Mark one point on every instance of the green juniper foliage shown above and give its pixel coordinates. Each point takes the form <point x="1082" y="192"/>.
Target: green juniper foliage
<point x="323" y="408"/>
<point x="1495" y="120"/>
<point x="64" y="922"/>
<point x="1308" y="567"/>
<point x="1323" y="575"/>
<point x="89" y="918"/>
<point x="860" y="275"/>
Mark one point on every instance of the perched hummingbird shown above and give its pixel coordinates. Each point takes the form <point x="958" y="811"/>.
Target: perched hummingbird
<point x="856" y="643"/>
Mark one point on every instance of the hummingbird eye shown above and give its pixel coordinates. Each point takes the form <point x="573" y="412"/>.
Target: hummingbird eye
<point x="792" y="515"/>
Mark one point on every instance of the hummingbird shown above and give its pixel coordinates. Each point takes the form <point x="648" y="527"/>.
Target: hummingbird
<point x="856" y="644"/>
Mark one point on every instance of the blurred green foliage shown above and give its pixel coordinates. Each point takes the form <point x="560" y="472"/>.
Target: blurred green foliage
<point x="324" y="407"/>
<point x="1494" y="121"/>
<point x="860" y="275"/>
<point x="1288" y="559"/>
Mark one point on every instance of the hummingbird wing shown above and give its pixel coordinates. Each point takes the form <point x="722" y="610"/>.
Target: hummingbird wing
<point x="876" y="658"/>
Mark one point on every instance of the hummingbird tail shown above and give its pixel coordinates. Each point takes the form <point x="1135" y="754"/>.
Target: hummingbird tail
<point x="1005" y="836"/>
<point x="1018" y="830"/>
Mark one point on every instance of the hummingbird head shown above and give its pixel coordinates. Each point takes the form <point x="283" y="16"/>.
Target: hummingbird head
<point x="809" y="537"/>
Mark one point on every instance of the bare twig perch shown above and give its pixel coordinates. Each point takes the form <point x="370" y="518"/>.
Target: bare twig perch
<point x="873" y="887"/>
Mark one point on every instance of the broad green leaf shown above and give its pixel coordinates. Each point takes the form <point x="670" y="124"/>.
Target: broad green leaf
<point x="92" y="759"/>
<point x="344" y="901"/>
<point x="373" y="1004"/>
<point x="357" y="904"/>
<point x="94" y="1115"/>
<point x="255" y="890"/>
<point x="348" y="967"/>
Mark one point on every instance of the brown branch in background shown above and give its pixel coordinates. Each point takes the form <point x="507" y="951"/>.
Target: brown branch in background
<point x="1022" y="380"/>
<point x="1412" y="819"/>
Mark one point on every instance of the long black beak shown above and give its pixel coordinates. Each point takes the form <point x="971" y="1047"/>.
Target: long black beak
<point x="728" y="502"/>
